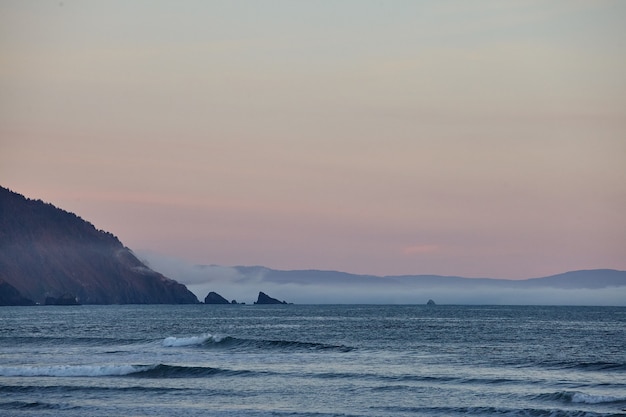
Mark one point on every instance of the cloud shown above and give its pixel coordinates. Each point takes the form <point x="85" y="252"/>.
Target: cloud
<point x="185" y="272"/>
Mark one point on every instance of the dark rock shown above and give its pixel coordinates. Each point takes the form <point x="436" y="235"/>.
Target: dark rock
<point x="10" y="296"/>
<point x="64" y="300"/>
<point x="215" y="298"/>
<point x="430" y="303"/>
<point x="234" y="302"/>
<point x="67" y="300"/>
<point x="45" y="250"/>
<point x="266" y="299"/>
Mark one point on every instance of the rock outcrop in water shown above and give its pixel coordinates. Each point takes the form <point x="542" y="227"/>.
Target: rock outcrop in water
<point x="49" y="252"/>
<point x="266" y="299"/>
<point x="215" y="298"/>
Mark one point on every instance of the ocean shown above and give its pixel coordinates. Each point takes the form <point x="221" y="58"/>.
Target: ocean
<point x="312" y="360"/>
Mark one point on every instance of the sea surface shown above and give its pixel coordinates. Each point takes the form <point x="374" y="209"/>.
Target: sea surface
<point x="317" y="360"/>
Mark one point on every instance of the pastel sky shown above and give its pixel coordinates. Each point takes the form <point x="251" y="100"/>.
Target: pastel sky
<point x="473" y="138"/>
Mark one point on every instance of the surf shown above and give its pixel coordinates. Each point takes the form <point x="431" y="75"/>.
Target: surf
<point x="72" y="370"/>
<point x="578" y="397"/>
<point x="144" y="371"/>
<point x="227" y="342"/>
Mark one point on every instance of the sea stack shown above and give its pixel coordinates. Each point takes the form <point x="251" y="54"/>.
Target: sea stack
<point x="215" y="298"/>
<point x="266" y="299"/>
<point x="430" y="303"/>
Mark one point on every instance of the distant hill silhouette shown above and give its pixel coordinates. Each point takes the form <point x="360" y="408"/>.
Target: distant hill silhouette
<point x="49" y="252"/>
<point x="583" y="287"/>
<point x="583" y="279"/>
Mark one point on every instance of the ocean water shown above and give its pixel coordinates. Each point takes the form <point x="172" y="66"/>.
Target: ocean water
<point x="293" y="360"/>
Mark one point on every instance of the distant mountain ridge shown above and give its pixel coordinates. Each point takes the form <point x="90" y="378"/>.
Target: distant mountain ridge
<point x="582" y="279"/>
<point x="594" y="287"/>
<point x="49" y="252"/>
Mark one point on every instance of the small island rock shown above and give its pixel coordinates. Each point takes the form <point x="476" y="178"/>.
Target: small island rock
<point x="430" y="303"/>
<point x="215" y="298"/>
<point x="266" y="299"/>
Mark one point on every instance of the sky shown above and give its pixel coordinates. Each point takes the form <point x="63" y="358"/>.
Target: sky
<point x="479" y="139"/>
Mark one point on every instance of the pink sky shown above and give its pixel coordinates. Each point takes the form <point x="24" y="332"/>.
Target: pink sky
<point x="483" y="139"/>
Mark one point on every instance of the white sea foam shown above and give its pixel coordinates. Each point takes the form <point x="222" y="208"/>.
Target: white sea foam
<point x="580" y="397"/>
<point x="190" y="341"/>
<point x="73" y="370"/>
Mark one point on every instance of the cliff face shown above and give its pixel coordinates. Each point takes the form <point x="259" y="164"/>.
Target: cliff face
<point x="49" y="252"/>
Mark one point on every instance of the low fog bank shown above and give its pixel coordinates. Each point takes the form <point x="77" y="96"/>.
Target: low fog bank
<point x="325" y="287"/>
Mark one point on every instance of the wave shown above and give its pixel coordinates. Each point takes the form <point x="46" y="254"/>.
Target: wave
<point x="580" y="397"/>
<point x="191" y="341"/>
<point x="291" y="345"/>
<point x="577" y="397"/>
<point x="404" y="381"/>
<point x="583" y="366"/>
<point x="70" y="341"/>
<point x="489" y="411"/>
<point x="72" y="370"/>
<point x="145" y="371"/>
<point x="32" y="405"/>
<point x="172" y="371"/>
<point x="55" y="389"/>
<point x="600" y="366"/>
<point x="206" y="340"/>
<point x="228" y="342"/>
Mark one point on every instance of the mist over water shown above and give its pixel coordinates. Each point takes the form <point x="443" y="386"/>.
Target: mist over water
<point x="243" y="286"/>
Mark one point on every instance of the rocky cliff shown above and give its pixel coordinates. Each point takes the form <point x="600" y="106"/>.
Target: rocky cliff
<point x="49" y="252"/>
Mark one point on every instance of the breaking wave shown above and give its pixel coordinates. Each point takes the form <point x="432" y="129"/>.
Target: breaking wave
<point x="145" y="371"/>
<point x="191" y="341"/>
<point x="227" y="342"/>
<point x="577" y="397"/>
<point x="72" y="370"/>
